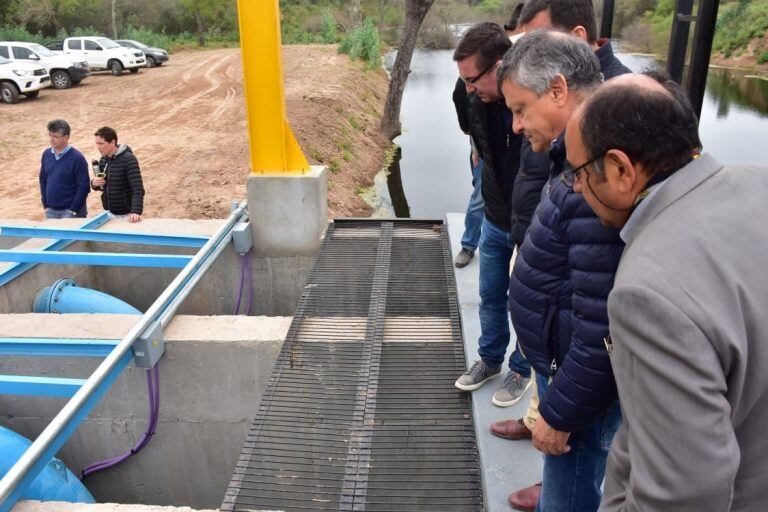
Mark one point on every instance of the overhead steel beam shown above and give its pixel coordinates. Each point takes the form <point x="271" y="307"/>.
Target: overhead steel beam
<point x="706" y="20"/>
<point x="104" y="259"/>
<point x="606" y="22"/>
<point x="14" y="271"/>
<point x="39" y="386"/>
<point x="92" y="235"/>
<point x="56" y="347"/>
<point x="678" y="39"/>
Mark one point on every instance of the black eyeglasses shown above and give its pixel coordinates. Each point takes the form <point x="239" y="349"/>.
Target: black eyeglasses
<point x="569" y="176"/>
<point x="473" y="80"/>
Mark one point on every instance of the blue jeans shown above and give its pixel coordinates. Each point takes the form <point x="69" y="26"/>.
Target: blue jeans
<point x="50" y="213"/>
<point x="572" y="481"/>
<point x="473" y="219"/>
<point x="496" y="247"/>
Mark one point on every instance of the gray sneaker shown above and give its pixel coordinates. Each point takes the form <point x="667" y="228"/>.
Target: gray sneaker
<point x="515" y="385"/>
<point x="463" y="258"/>
<point x="476" y="376"/>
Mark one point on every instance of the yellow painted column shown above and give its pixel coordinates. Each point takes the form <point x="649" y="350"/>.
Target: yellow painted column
<point x="273" y="146"/>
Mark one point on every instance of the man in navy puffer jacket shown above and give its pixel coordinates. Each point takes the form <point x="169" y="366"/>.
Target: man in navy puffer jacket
<point x="562" y="278"/>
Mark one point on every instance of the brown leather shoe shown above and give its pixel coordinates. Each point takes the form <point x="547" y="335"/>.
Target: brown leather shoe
<point x="510" y="429"/>
<point x="525" y="499"/>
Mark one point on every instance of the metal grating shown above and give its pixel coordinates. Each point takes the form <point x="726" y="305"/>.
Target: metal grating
<point x="361" y="413"/>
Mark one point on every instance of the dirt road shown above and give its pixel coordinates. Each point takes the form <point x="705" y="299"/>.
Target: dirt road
<point x="185" y="122"/>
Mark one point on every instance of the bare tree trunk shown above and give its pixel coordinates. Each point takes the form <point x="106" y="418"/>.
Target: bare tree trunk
<point x="200" y="25"/>
<point x="415" y="11"/>
<point x="114" y="22"/>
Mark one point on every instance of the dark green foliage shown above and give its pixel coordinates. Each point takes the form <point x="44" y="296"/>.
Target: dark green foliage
<point x="363" y="44"/>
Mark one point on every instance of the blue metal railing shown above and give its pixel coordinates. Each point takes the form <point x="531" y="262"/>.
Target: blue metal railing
<point x="92" y="235"/>
<point x="90" y="392"/>
<point x="14" y="271"/>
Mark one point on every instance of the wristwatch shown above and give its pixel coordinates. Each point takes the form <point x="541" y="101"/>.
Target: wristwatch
<point x="73" y="212"/>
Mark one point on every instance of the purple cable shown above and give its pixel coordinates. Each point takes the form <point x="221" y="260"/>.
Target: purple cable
<point x="153" y="386"/>
<point x="243" y="258"/>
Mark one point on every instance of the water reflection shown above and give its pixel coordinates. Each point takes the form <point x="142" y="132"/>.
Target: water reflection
<point x="434" y="171"/>
<point x="728" y="88"/>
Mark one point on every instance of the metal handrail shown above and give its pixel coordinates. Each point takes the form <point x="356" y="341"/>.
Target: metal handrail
<point x="50" y="440"/>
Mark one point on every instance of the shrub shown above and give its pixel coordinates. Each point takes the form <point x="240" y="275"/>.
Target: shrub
<point x="363" y="44"/>
<point x="763" y="57"/>
<point x="146" y="36"/>
<point x="329" y="35"/>
<point x="16" y="33"/>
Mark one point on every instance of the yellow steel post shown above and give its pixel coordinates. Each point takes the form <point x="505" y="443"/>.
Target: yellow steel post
<point x="273" y="146"/>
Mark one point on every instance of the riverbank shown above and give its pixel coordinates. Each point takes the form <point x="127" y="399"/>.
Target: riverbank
<point x="185" y="122"/>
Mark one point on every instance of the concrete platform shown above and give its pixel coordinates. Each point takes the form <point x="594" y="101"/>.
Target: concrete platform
<point x="506" y="465"/>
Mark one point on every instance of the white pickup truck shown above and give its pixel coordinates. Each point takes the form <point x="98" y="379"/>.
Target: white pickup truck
<point x="103" y="53"/>
<point x="21" y="78"/>
<point x="65" y="70"/>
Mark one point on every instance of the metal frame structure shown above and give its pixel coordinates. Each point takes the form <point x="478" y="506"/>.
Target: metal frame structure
<point x="16" y="270"/>
<point x="706" y="18"/>
<point x="85" y="394"/>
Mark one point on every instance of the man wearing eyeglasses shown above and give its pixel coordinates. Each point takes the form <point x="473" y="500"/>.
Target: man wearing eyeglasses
<point x="64" y="185"/>
<point x="689" y="333"/>
<point x="562" y="277"/>
<point x="477" y="56"/>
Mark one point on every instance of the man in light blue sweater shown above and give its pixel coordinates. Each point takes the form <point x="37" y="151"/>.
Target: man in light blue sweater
<point x="64" y="180"/>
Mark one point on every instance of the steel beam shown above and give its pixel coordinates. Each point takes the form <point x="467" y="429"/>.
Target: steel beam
<point x="14" y="271"/>
<point x="606" y="22"/>
<point x="706" y="19"/>
<point x="93" y="235"/>
<point x="678" y="39"/>
<point x="104" y="259"/>
<point x="274" y="148"/>
<point x="56" y="347"/>
<point x="39" y="386"/>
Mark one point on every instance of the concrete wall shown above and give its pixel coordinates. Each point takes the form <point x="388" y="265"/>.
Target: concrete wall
<point x="277" y="281"/>
<point x="211" y="378"/>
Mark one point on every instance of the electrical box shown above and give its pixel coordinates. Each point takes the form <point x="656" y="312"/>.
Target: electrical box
<point x="242" y="237"/>
<point x="149" y="347"/>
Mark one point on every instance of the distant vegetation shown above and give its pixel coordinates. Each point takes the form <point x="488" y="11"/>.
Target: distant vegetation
<point x="169" y="24"/>
<point x="643" y="24"/>
<point x="741" y="27"/>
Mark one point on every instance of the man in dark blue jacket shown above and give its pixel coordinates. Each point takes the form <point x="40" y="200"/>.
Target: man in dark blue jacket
<point x="562" y="277"/>
<point x="63" y="175"/>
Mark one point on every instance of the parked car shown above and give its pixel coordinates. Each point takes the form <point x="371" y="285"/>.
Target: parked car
<point x="21" y="78"/>
<point x="64" y="70"/>
<point x="154" y="56"/>
<point x="103" y="53"/>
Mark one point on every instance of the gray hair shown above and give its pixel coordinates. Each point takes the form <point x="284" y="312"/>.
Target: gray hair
<point x="538" y="57"/>
<point x="59" y="127"/>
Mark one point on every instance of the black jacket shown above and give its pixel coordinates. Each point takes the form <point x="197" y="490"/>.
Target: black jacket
<point x="535" y="167"/>
<point x="490" y="125"/>
<point x="124" y="191"/>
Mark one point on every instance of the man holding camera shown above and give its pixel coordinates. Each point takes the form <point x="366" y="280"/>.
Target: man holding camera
<point x="118" y="177"/>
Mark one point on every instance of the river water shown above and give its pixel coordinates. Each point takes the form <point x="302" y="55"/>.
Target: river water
<point x="434" y="167"/>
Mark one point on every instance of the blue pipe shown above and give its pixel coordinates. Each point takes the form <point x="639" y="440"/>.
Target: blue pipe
<point x="54" y="483"/>
<point x="64" y="296"/>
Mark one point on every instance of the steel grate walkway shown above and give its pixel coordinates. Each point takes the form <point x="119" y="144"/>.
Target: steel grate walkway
<point x="360" y="413"/>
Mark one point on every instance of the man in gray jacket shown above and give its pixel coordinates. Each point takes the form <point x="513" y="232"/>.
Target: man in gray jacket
<point x="689" y="332"/>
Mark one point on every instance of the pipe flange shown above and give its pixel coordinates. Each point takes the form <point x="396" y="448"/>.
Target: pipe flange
<point x="56" y="290"/>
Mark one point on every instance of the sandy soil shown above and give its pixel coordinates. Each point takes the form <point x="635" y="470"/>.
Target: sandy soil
<point x="185" y="122"/>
